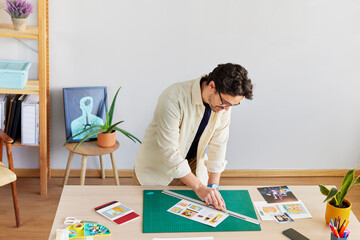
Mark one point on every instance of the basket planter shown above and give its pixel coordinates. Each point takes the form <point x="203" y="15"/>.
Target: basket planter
<point x="106" y="140"/>
<point x="19" y="23"/>
<point x="334" y="212"/>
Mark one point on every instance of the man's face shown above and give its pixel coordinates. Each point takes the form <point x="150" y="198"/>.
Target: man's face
<point x="219" y="102"/>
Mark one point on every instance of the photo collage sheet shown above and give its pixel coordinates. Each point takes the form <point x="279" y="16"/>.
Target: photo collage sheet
<point x="281" y="205"/>
<point x="198" y="213"/>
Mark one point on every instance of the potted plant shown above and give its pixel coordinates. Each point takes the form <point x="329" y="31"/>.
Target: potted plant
<point x="105" y="133"/>
<point x="337" y="205"/>
<point x="19" y="10"/>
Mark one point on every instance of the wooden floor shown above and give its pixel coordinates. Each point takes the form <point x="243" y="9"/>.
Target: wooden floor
<point x="37" y="212"/>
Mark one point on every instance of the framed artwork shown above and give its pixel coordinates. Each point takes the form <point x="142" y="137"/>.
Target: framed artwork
<point x="84" y="107"/>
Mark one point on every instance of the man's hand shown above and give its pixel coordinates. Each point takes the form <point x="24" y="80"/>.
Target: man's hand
<point x="210" y="196"/>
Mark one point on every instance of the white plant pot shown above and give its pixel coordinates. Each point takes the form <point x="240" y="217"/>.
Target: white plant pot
<point x="19" y="23"/>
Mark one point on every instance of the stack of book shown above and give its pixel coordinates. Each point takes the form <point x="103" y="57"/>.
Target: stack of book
<point x="19" y="117"/>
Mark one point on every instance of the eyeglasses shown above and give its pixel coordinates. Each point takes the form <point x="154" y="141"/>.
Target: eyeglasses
<point x="224" y="105"/>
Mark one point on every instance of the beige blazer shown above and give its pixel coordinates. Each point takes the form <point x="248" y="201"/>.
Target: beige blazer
<point x="178" y="114"/>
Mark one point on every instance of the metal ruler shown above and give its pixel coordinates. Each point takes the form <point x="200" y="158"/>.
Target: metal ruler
<point x="233" y="214"/>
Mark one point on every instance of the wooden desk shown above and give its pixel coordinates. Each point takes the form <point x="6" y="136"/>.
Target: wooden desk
<point x="79" y="202"/>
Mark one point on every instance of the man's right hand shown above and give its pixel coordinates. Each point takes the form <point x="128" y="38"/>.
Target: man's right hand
<point x="210" y="196"/>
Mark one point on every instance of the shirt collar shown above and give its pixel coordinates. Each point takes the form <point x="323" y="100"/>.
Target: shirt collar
<point x="196" y="98"/>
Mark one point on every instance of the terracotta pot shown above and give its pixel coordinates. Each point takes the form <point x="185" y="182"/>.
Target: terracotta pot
<point x="106" y="140"/>
<point x="334" y="212"/>
<point x="19" y="23"/>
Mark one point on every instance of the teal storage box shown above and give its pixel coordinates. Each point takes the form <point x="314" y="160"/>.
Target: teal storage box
<point x="13" y="74"/>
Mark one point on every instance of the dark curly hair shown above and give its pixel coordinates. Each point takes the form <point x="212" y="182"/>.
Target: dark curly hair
<point x="231" y="79"/>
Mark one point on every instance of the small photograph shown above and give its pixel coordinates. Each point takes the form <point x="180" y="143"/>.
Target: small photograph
<point x="200" y="216"/>
<point x="277" y="194"/>
<point x="176" y="210"/>
<point x="188" y="213"/>
<point x="267" y="210"/>
<point x="283" y="218"/>
<point x="183" y="204"/>
<point x="195" y="208"/>
<point x="294" y="208"/>
<point x="270" y="209"/>
<point x="216" y="218"/>
<point x="208" y="217"/>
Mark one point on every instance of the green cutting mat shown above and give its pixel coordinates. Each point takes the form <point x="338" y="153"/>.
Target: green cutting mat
<point x="156" y="219"/>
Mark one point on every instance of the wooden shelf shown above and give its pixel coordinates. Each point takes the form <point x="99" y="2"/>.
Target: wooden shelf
<point x="7" y="30"/>
<point x="31" y="87"/>
<point x="37" y="87"/>
<point x="17" y="143"/>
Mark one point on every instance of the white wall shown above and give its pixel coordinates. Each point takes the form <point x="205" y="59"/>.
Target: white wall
<point x="303" y="57"/>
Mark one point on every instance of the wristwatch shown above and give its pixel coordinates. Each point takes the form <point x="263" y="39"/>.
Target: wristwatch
<point x="213" y="185"/>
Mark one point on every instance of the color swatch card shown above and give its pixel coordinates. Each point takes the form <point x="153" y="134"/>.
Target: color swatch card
<point x="295" y="210"/>
<point x="116" y="212"/>
<point x="198" y="213"/>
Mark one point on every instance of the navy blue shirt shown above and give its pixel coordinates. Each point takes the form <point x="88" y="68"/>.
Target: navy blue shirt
<point x="193" y="149"/>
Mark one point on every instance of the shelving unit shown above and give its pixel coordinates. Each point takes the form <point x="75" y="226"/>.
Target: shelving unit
<point x="37" y="87"/>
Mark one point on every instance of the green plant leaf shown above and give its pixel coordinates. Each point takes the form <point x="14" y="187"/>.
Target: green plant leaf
<point x="324" y="190"/>
<point x="111" y="128"/>
<point x="88" y="129"/>
<point x="332" y="193"/>
<point x="129" y="135"/>
<point x="348" y="179"/>
<point x="106" y="115"/>
<point x="95" y="132"/>
<point x="111" y="111"/>
<point x="356" y="182"/>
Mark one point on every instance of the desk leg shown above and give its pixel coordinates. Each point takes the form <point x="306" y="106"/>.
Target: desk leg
<point x="71" y="154"/>
<point x="116" y="176"/>
<point x="102" y="167"/>
<point x="83" y="170"/>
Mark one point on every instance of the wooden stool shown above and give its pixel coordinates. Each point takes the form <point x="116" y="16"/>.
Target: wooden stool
<point x="90" y="149"/>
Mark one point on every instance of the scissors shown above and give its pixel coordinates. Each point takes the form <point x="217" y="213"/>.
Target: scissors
<point x="73" y="220"/>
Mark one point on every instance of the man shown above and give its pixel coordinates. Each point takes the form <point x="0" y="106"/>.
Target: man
<point x="189" y="118"/>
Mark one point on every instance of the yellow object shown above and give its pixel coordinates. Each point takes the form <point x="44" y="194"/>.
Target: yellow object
<point x="83" y="230"/>
<point x="333" y="212"/>
<point x="6" y="175"/>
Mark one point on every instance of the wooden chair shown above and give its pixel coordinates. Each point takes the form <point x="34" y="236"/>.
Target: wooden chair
<point x="90" y="149"/>
<point x="8" y="176"/>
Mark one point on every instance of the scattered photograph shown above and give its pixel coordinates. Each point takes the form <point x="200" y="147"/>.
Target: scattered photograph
<point x="267" y="210"/>
<point x="277" y="194"/>
<point x="283" y="218"/>
<point x="296" y="210"/>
